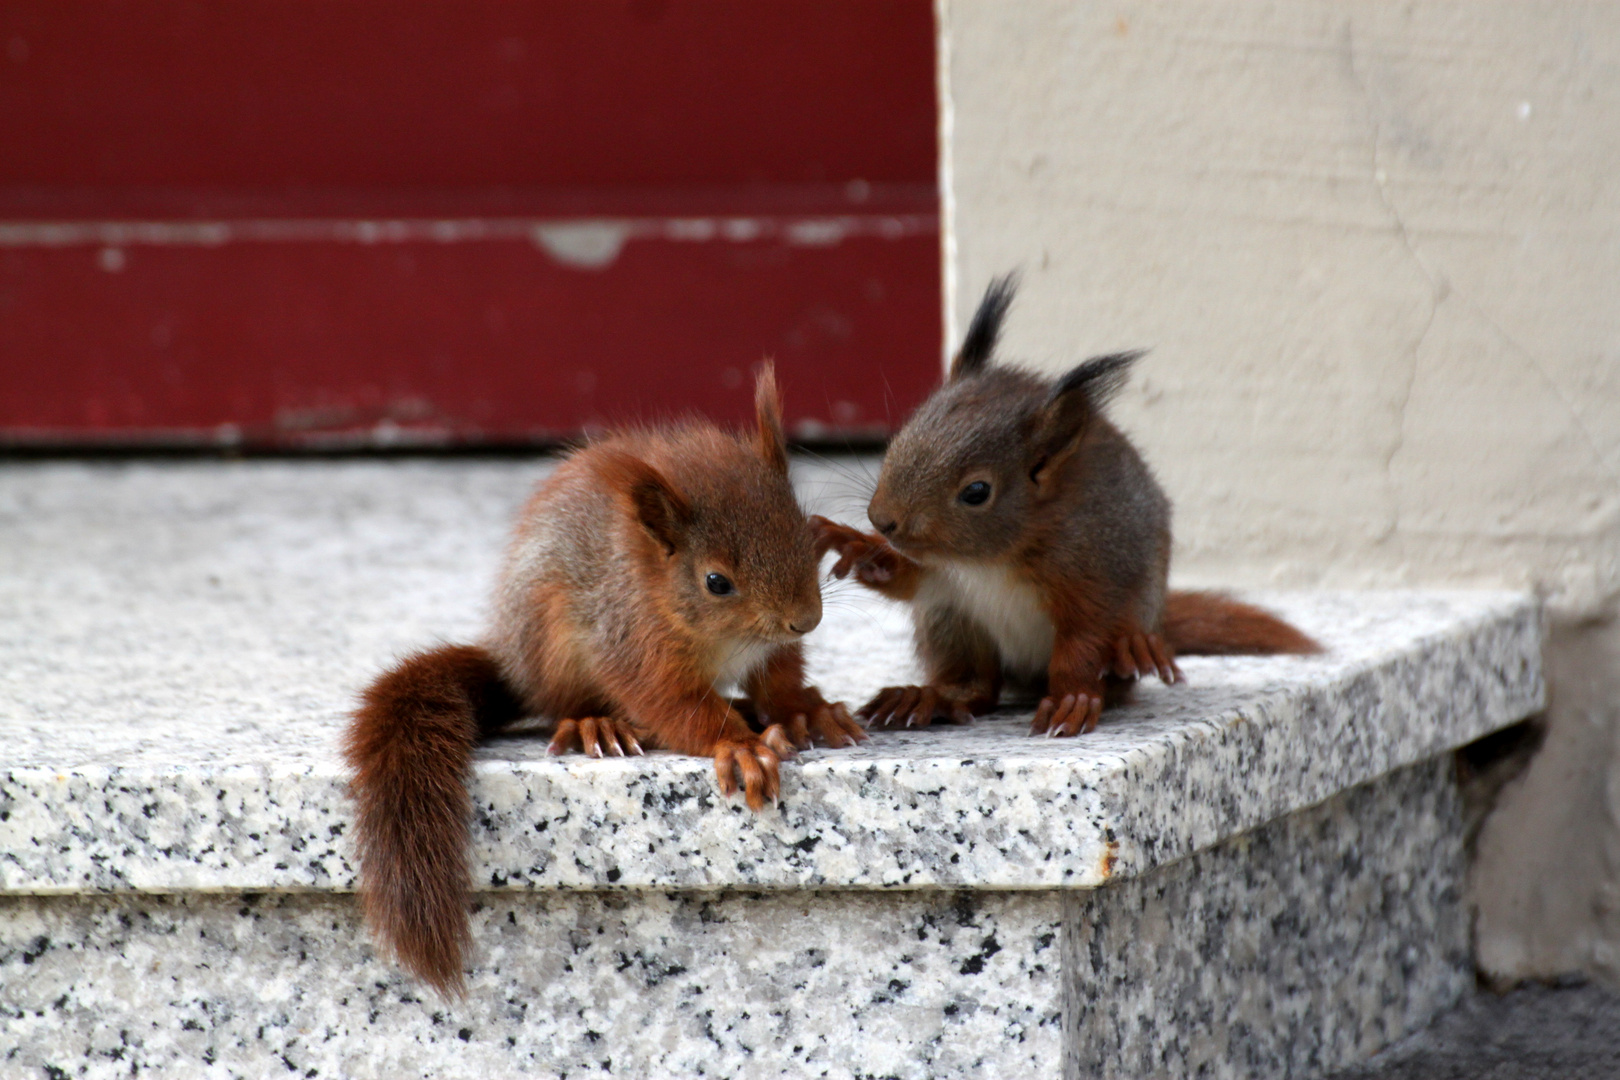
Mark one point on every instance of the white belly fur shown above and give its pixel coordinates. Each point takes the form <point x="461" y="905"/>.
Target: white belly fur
<point x="1007" y="606"/>
<point x="738" y="660"/>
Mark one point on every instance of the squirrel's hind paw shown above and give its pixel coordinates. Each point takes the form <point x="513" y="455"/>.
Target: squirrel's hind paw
<point x="807" y="719"/>
<point x="594" y="735"/>
<point x="1138" y="655"/>
<point x="832" y="725"/>
<point x="829" y="724"/>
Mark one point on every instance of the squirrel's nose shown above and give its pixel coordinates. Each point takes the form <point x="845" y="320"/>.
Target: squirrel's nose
<point x="885" y="524"/>
<point x="806" y="620"/>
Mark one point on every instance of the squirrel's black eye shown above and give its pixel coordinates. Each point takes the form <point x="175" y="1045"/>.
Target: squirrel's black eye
<point x="718" y="584"/>
<point x="975" y="493"/>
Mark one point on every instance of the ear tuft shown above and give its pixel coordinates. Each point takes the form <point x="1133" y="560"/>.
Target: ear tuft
<point x="768" y="415"/>
<point x="1099" y="378"/>
<point x="985" y="329"/>
<point x="662" y="511"/>
<point x="1061" y="424"/>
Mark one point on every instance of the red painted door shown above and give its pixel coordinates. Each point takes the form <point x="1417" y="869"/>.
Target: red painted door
<point x="295" y="223"/>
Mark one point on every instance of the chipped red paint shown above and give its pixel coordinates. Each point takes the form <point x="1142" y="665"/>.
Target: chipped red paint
<point x="288" y="225"/>
<point x="330" y="343"/>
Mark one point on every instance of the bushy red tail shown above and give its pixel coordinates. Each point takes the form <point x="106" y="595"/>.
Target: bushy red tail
<point x="1211" y="624"/>
<point x="411" y="746"/>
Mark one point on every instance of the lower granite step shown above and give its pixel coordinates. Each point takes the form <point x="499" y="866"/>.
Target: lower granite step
<point x="1258" y="873"/>
<point x="1303" y="946"/>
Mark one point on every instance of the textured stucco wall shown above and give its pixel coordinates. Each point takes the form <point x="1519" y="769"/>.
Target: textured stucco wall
<point x="1376" y="251"/>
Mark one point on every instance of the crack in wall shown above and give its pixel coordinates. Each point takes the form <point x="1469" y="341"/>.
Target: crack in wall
<point x="1441" y="290"/>
<point x="1438" y="289"/>
<point x="1535" y="365"/>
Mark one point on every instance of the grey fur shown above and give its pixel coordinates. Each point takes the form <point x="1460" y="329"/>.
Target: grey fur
<point x="1069" y="493"/>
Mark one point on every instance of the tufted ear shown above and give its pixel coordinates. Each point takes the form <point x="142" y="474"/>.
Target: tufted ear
<point x="985" y="329"/>
<point x="661" y="510"/>
<point x="768" y="415"/>
<point x="1076" y="399"/>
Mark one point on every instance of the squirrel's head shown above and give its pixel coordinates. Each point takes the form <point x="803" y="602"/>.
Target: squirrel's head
<point x="718" y="516"/>
<point x="964" y="475"/>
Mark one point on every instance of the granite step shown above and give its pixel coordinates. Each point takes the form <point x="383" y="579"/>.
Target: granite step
<point x="1257" y="873"/>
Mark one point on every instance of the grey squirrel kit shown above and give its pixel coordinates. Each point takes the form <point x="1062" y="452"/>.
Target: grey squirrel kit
<point x="1031" y="541"/>
<point x="647" y="570"/>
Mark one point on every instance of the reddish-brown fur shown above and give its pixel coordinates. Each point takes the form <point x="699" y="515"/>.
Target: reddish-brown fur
<point x="1209" y="624"/>
<point x="410" y="746"/>
<point x="607" y="623"/>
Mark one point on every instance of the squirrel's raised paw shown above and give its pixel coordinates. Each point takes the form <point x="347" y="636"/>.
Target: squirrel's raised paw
<point x="596" y="736"/>
<point x="1138" y="655"/>
<point x="755" y="764"/>
<point x="913" y="706"/>
<point x="1071" y="714"/>
<point x="829" y="535"/>
<point x="871" y="558"/>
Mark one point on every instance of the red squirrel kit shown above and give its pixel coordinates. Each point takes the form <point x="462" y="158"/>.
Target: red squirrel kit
<point x="646" y="570"/>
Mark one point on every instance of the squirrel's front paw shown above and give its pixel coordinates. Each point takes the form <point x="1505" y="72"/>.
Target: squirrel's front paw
<point x="1138" y="655"/>
<point x="1070" y="714"/>
<point x="867" y="554"/>
<point x="594" y="735"/>
<point x="829" y="535"/>
<point x="755" y="763"/>
<point x="913" y="706"/>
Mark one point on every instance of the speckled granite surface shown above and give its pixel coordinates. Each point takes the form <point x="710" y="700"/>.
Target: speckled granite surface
<point x="1288" y="951"/>
<point x="1300" y="947"/>
<point x="188" y="637"/>
<point x="572" y="984"/>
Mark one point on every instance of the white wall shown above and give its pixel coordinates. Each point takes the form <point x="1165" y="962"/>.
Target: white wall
<point x="1375" y="248"/>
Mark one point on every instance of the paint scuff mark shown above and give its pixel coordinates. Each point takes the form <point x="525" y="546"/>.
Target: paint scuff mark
<point x="586" y="245"/>
<point x="822" y="233"/>
<point x="590" y="243"/>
